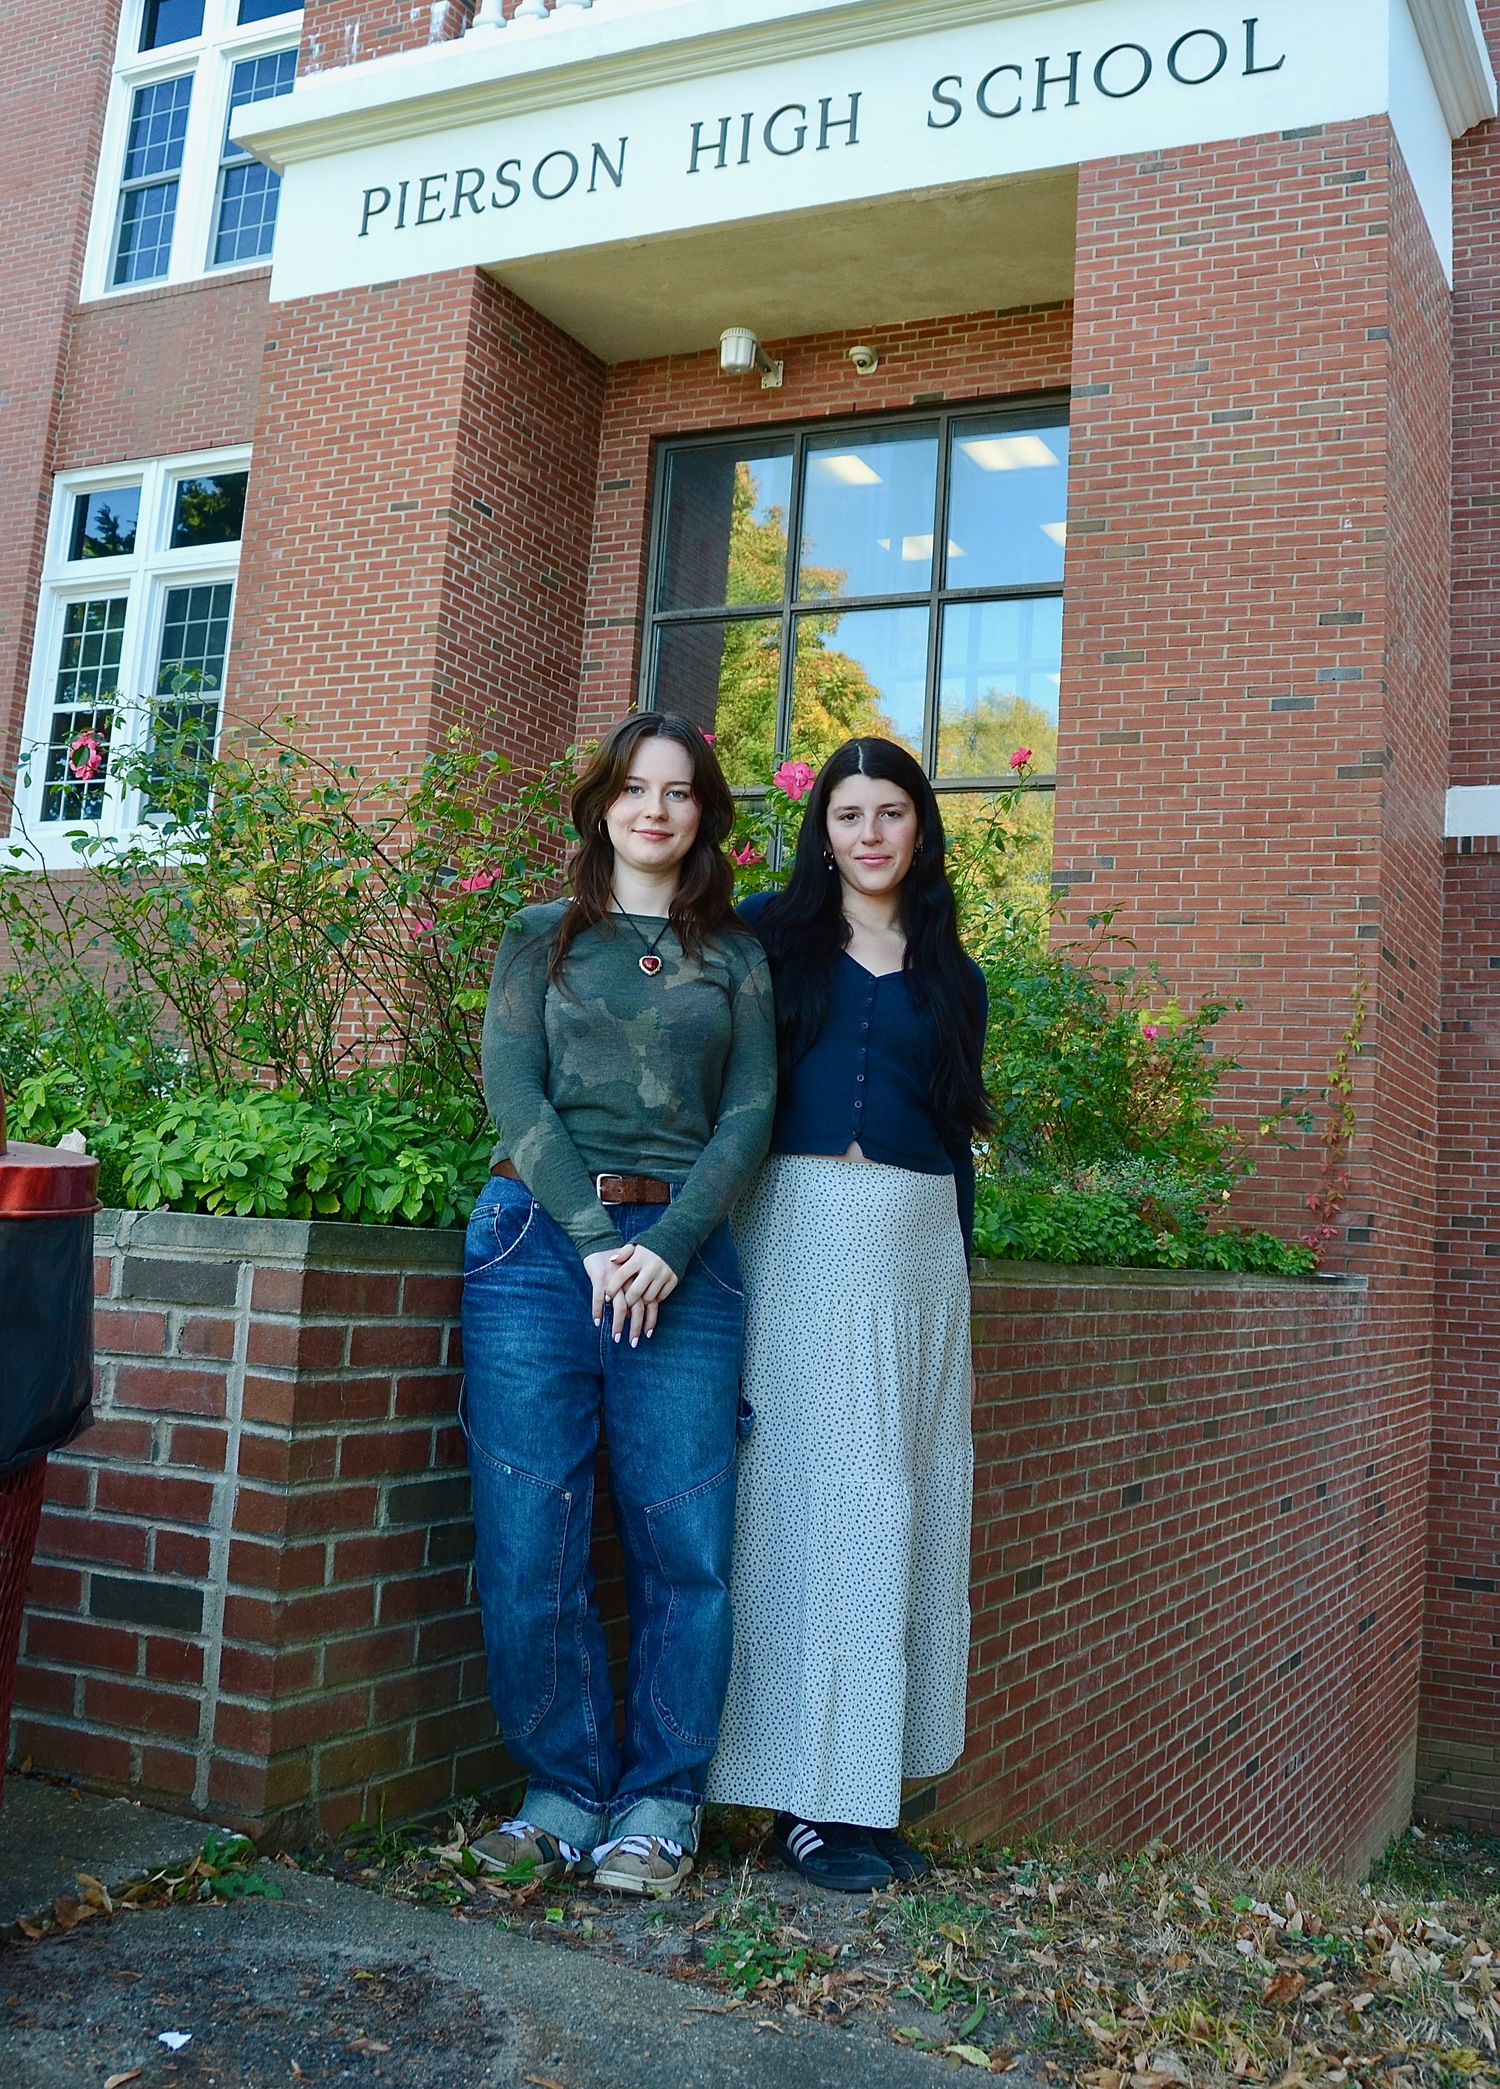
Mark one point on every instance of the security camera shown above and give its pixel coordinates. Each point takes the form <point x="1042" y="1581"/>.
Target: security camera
<point x="740" y="353"/>
<point x="866" y="362"/>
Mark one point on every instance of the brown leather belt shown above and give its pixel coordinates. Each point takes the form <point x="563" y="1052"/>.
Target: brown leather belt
<point x="610" y="1189"/>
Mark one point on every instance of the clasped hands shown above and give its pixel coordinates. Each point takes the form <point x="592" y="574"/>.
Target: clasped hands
<point x="633" y="1282"/>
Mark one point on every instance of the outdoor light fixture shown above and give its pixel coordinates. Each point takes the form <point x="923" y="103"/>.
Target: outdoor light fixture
<point x="740" y="353"/>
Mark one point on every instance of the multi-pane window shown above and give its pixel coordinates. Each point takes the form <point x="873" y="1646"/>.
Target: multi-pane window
<point x="151" y="179"/>
<point x="899" y="577"/>
<point x="132" y="635"/>
<point x="245" y="217"/>
<point x="177" y="195"/>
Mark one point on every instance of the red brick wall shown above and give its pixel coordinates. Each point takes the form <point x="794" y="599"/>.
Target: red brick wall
<point x="982" y="355"/>
<point x="1182" y="1589"/>
<point x="417" y="534"/>
<point x="1253" y="707"/>
<point x="1476" y="445"/>
<point x="163" y="371"/>
<point x="342" y="32"/>
<point x="252" y="1595"/>
<point x="52" y="94"/>
<point x="1459" y="1766"/>
<point x="1458" y="1775"/>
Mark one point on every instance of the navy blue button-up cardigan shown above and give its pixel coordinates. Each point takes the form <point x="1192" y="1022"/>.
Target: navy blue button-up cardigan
<point x="869" y="1078"/>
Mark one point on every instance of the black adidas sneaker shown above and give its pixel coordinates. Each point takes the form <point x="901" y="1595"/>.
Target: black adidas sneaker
<point x="904" y="1858"/>
<point x="830" y="1853"/>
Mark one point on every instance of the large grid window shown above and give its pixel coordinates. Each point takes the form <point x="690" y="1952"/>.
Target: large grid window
<point x="132" y="635"/>
<point x="901" y="577"/>
<point x="177" y="197"/>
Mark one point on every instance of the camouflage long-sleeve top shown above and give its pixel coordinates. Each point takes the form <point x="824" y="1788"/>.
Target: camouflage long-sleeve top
<point x="615" y="1072"/>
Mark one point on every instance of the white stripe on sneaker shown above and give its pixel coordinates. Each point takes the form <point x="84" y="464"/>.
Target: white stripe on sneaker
<point x="804" y="1840"/>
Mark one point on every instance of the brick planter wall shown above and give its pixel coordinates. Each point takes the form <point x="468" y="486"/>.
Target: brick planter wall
<point x="252" y="1590"/>
<point x="1193" y="1499"/>
<point x="1197" y="1565"/>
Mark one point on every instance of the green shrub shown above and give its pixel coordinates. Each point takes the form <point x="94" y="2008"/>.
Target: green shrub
<point x="1144" y="1218"/>
<point x="268" y="1001"/>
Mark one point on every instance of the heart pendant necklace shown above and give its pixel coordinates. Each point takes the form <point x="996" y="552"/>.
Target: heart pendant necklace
<point x="648" y="960"/>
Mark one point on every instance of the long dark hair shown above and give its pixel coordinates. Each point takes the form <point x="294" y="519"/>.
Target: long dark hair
<point x="804" y="931"/>
<point x="704" y="899"/>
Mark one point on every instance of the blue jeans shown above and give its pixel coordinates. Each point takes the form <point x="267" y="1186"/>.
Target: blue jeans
<point x="539" y="1376"/>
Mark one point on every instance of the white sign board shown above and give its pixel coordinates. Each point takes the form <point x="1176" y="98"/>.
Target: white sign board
<point x="396" y="170"/>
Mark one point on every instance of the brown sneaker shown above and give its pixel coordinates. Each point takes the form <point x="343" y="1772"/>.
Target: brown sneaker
<point x="523" y="1854"/>
<point x="642" y="1864"/>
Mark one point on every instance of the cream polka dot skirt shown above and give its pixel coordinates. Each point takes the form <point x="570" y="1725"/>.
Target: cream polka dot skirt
<point x="851" y="1564"/>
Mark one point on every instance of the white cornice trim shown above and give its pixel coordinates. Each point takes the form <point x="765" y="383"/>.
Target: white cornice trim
<point x="1453" y="43"/>
<point x="618" y="51"/>
<point x="567" y="60"/>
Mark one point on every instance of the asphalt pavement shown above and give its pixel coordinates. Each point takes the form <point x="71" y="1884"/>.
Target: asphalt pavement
<point x="332" y="1984"/>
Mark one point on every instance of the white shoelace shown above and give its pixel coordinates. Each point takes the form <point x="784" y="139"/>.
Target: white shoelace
<point x="636" y="1846"/>
<point x="523" y="1831"/>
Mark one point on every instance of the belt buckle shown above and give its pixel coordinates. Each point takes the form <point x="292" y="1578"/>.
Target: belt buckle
<point x="609" y="1175"/>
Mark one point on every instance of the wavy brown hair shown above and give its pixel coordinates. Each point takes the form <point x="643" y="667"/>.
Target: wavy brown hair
<point x="704" y="899"/>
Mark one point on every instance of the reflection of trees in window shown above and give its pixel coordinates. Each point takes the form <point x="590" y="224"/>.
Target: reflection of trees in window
<point x="757" y="548"/>
<point x="981" y="741"/>
<point x="835" y="697"/>
<point x="209" y="511"/>
<point x="109" y="536"/>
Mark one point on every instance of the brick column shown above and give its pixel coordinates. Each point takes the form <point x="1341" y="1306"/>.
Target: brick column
<point x="52" y="95"/>
<point x="1458" y="1774"/>
<point x="416" y="546"/>
<point x="1254" y="706"/>
<point x="252" y="1596"/>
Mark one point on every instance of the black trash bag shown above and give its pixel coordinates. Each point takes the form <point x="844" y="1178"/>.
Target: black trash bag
<point x="46" y="1334"/>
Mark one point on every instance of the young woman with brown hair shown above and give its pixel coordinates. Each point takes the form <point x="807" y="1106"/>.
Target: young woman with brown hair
<point x="851" y="1567"/>
<point x="630" y="1069"/>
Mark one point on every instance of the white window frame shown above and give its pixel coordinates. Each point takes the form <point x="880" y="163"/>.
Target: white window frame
<point x="210" y="59"/>
<point x="144" y="576"/>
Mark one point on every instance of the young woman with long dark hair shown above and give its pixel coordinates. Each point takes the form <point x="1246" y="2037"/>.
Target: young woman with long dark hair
<point x="851" y="1567"/>
<point x="629" y="1067"/>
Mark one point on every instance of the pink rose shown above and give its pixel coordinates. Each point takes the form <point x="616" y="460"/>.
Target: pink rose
<point x="749" y="854"/>
<point x="795" y="778"/>
<point x="1020" y="758"/>
<point x="1152" y="1031"/>
<point x="423" y="928"/>
<point x="85" y="756"/>
<point x="479" y="882"/>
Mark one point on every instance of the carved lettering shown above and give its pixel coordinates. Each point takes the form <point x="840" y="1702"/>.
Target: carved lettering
<point x="784" y="152"/>
<point x="1198" y="79"/>
<point x="981" y="93"/>
<point x="1120" y="94"/>
<point x="549" y="195"/>
<point x="945" y="101"/>
<point x="466" y="186"/>
<point x="602" y="159"/>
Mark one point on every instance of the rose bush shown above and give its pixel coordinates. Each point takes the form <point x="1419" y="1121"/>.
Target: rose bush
<point x="268" y="1002"/>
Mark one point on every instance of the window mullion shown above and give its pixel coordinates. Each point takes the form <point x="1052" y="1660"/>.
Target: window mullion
<point x="934" y="600"/>
<point x="789" y="597"/>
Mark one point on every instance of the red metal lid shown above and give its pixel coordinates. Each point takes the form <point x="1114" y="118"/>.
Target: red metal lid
<point x="44" y="1181"/>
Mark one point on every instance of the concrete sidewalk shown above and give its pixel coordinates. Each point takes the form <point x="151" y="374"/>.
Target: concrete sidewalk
<point x="333" y="1984"/>
<point x="51" y="1832"/>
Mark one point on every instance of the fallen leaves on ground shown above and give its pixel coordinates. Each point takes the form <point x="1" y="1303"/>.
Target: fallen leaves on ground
<point x="1152" y="1971"/>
